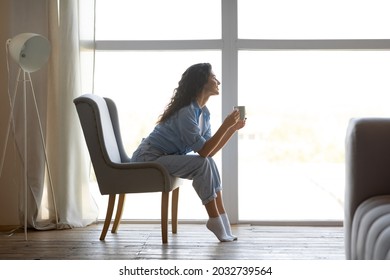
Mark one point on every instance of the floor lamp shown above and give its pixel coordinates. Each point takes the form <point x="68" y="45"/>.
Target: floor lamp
<point x="30" y="51"/>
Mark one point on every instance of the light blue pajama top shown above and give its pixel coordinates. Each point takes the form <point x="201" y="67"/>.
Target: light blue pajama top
<point x="183" y="132"/>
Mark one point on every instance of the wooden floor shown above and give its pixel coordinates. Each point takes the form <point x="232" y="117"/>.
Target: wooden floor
<point x="193" y="241"/>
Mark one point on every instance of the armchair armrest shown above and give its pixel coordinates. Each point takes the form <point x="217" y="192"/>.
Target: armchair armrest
<point x="134" y="177"/>
<point x="367" y="165"/>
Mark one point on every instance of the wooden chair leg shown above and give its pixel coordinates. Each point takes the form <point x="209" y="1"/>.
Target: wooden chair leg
<point x="164" y="216"/>
<point x="110" y="210"/>
<point x="175" y="204"/>
<point x="119" y="211"/>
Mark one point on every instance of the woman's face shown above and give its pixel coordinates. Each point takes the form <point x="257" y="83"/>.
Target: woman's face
<point x="211" y="87"/>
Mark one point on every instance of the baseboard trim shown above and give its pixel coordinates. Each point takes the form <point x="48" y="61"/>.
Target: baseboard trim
<point x="303" y="223"/>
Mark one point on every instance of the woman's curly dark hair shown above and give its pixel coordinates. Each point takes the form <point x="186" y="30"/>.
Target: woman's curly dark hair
<point x="191" y="84"/>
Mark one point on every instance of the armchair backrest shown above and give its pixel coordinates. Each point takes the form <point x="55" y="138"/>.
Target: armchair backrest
<point x="114" y="170"/>
<point x="99" y="121"/>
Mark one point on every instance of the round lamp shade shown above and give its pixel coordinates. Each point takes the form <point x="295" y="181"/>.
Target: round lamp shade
<point x="31" y="51"/>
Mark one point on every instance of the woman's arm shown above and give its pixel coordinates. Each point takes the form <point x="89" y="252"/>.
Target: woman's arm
<point x="230" y="125"/>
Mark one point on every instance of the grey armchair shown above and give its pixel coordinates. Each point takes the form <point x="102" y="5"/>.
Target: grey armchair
<point x="115" y="173"/>
<point x="367" y="194"/>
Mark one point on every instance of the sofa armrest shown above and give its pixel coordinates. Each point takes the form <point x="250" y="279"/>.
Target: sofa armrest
<point x="367" y="165"/>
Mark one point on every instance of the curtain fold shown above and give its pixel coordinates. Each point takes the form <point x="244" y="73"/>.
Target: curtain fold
<point x="66" y="148"/>
<point x="65" y="144"/>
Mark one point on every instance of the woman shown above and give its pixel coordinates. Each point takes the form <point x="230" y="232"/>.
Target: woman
<point x="185" y="127"/>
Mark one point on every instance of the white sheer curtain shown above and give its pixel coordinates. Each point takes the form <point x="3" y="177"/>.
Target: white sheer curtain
<point x="69" y="161"/>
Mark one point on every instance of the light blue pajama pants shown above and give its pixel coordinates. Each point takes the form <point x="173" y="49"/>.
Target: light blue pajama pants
<point x="202" y="171"/>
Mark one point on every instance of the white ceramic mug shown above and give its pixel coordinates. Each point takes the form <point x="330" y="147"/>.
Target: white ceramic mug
<point x="241" y="109"/>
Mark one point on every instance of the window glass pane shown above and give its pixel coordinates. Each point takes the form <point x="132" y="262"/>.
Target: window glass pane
<point x="291" y="153"/>
<point x="308" y="19"/>
<point x="158" y="20"/>
<point x="141" y="84"/>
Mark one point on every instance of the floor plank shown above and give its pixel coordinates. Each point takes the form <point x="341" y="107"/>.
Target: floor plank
<point x="193" y="241"/>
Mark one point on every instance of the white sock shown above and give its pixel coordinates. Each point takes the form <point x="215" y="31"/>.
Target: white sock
<point x="215" y="225"/>
<point x="226" y="224"/>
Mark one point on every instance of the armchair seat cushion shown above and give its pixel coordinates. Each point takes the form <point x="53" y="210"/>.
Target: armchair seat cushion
<point x="370" y="236"/>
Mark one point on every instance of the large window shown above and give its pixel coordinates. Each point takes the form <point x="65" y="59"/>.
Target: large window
<point x="143" y="47"/>
<point x="308" y="19"/>
<point x="158" y="20"/>
<point x="291" y="154"/>
<point x="301" y="76"/>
